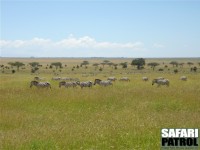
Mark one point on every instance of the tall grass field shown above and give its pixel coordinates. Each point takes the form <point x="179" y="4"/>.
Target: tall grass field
<point x="125" y="116"/>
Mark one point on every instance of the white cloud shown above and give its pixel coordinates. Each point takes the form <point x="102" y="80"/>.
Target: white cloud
<point x="70" y="42"/>
<point x="157" y="45"/>
<point x="70" y="46"/>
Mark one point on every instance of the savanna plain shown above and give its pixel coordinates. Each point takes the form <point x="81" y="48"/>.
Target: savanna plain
<point x="126" y="115"/>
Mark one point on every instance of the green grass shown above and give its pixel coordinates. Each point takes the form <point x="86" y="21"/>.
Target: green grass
<point x="128" y="115"/>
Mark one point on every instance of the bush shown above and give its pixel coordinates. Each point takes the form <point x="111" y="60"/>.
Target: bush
<point x="175" y="70"/>
<point x="13" y="71"/>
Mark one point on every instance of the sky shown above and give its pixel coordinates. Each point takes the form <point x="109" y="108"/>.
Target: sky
<point x="112" y="28"/>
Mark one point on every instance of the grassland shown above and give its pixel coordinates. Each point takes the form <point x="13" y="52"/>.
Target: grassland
<point x="127" y="115"/>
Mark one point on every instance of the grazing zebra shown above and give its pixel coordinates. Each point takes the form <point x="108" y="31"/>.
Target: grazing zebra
<point x="112" y="78"/>
<point x="160" y="82"/>
<point x="40" y="84"/>
<point x="67" y="84"/>
<point x="56" y="78"/>
<point x="65" y="78"/>
<point x="102" y="83"/>
<point x="183" y="78"/>
<point x="145" y="78"/>
<point x="84" y="84"/>
<point x="124" y="79"/>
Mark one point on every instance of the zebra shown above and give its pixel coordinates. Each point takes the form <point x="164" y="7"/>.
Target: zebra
<point x="102" y="83"/>
<point x="160" y="82"/>
<point x="65" y="78"/>
<point x="112" y="78"/>
<point x="183" y="78"/>
<point x="124" y="79"/>
<point x="84" y="84"/>
<point x="67" y="84"/>
<point x="40" y="84"/>
<point x="145" y="78"/>
<point x="56" y="78"/>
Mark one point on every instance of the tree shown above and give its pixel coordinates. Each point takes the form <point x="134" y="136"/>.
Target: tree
<point x="190" y="63"/>
<point x="103" y="64"/>
<point x="106" y="62"/>
<point x="199" y="63"/>
<point x="181" y="64"/>
<point x="16" y="64"/>
<point x="175" y="71"/>
<point x="139" y="62"/>
<point x="174" y="63"/>
<point x="110" y="64"/>
<point x="124" y="65"/>
<point x="85" y="63"/>
<point x="57" y="64"/>
<point x="153" y="64"/>
<point x="34" y="64"/>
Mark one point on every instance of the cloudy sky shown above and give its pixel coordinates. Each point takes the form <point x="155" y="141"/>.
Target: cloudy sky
<point x="112" y="28"/>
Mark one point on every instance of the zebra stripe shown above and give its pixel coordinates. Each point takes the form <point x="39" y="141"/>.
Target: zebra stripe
<point x="56" y="78"/>
<point x="145" y="78"/>
<point x="40" y="84"/>
<point x="84" y="84"/>
<point x="103" y="83"/>
<point x="124" y="79"/>
<point x="67" y="84"/>
<point x="112" y="78"/>
<point x="183" y="78"/>
<point x="160" y="82"/>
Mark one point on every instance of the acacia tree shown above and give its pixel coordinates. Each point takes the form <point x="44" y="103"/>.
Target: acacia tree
<point x="174" y="63"/>
<point x="16" y="64"/>
<point x="139" y="62"/>
<point x="96" y="65"/>
<point x="190" y="63"/>
<point x="124" y="65"/>
<point x="57" y="64"/>
<point x="34" y="64"/>
<point x="181" y="64"/>
<point x="106" y="62"/>
<point x="153" y="64"/>
<point x="85" y="63"/>
<point x="103" y="64"/>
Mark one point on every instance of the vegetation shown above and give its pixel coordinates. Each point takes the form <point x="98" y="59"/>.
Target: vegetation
<point x="17" y="64"/>
<point x="57" y="64"/>
<point x="139" y="62"/>
<point x="123" y="116"/>
<point x="153" y="64"/>
<point x="174" y="63"/>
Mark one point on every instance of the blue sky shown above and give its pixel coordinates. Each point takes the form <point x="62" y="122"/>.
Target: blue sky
<point x="102" y="28"/>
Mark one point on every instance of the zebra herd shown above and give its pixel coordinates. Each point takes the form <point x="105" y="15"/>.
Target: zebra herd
<point x="74" y="82"/>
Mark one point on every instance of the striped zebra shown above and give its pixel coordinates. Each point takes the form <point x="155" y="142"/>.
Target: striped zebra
<point x="112" y="79"/>
<point x="84" y="84"/>
<point x="40" y="84"/>
<point x="183" y="78"/>
<point x="160" y="82"/>
<point x="145" y="78"/>
<point x="56" y="78"/>
<point x="65" y="79"/>
<point x="102" y="83"/>
<point x="67" y="84"/>
<point x="124" y="79"/>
